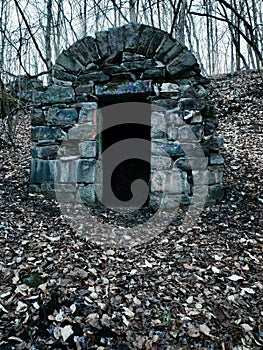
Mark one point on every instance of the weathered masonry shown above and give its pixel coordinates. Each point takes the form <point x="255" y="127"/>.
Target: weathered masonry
<point x="131" y="82"/>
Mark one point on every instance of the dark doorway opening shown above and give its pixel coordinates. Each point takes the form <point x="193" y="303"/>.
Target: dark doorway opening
<point x="123" y="163"/>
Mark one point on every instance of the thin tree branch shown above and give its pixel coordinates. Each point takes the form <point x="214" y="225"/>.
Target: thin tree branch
<point x="30" y="32"/>
<point x="250" y="42"/>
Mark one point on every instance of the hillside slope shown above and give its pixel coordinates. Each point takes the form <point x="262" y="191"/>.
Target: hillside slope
<point x="196" y="290"/>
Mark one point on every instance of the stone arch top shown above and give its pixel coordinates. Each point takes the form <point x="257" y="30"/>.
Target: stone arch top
<point x="129" y="63"/>
<point x="130" y="43"/>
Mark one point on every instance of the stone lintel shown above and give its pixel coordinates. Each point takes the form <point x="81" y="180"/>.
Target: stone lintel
<point x="137" y="87"/>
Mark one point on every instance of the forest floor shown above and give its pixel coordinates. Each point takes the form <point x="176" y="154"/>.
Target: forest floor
<point x="200" y="289"/>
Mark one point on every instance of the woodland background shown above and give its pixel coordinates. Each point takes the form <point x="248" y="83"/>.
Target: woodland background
<point x="200" y="289"/>
<point x="225" y="36"/>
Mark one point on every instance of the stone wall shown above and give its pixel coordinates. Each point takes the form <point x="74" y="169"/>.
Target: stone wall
<point x="130" y="61"/>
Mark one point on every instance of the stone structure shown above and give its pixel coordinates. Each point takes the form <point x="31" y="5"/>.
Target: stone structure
<point x="130" y="63"/>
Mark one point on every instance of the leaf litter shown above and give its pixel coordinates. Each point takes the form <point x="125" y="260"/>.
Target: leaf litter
<point x="200" y="289"/>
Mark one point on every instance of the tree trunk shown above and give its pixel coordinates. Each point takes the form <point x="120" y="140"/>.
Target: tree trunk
<point x="181" y="23"/>
<point x="132" y="5"/>
<point x="48" y="40"/>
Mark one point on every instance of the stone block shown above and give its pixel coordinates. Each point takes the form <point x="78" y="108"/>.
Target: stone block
<point x="34" y="189"/>
<point x="212" y="143"/>
<point x="83" y="98"/>
<point x="161" y="162"/>
<point x="209" y="128"/>
<point x="62" y="83"/>
<point x="65" y="192"/>
<point x="116" y="39"/>
<point x="184" y="61"/>
<point x="185" y="200"/>
<point x="83" y="132"/>
<point x="37" y="117"/>
<point x="215" y="174"/>
<point x="42" y="143"/>
<point x="125" y="76"/>
<point x="216" y="159"/>
<point x="216" y="192"/>
<point x="155" y="200"/>
<point x="170" y="88"/>
<point x="62" y="117"/>
<point x="196" y="117"/>
<point x="157" y="134"/>
<point x="158" y="121"/>
<point x="158" y="147"/>
<point x="188" y="103"/>
<point x="186" y="188"/>
<point x="67" y="171"/>
<point x="91" y="67"/>
<point x="42" y="170"/>
<point x="171" y="202"/>
<point x="175" y="117"/>
<point x="87" y="149"/>
<point x="168" y="49"/>
<point x="47" y="189"/>
<point x="86" y="171"/>
<point x="201" y="200"/>
<point x="174" y="149"/>
<point x="172" y="133"/>
<point x="200" y="177"/>
<point x="129" y="56"/>
<point x="88" y="113"/>
<point x="59" y="73"/>
<point x="146" y="34"/>
<point x="47" y="133"/>
<point x="186" y="89"/>
<point x="93" y="76"/>
<point x="200" y="190"/>
<point x="102" y="41"/>
<point x="85" y="89"/>
<point x="190" y="133"/>
<point x="109" y="69"/>
<point x="45" y="152"/>
<point x="156" y="74"/>
<point x="85" y="50"/>
<point x="188" y="164"/>
<point x="166" y="104"/>
<point x="69" y="62"/>
<point x="172" y="182"/>
<point x="69" y="149"/>
<point x="86" y="195"/>
<point x="131" y="36"/>
<point x="139" y="65"/>
<point x="137" y="87"/>
<point x="208" y="113"/>
<point x="171" y="53"/>
<point x="55" y="94"/>
<point x="192" y="149"/>
<point x="155" y="42"/>
<point x="185" y="133"/>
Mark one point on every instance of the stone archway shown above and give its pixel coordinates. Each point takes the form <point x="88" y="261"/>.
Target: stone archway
<point x="132" y="62"/>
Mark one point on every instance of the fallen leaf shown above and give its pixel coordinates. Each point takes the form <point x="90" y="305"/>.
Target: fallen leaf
<point x="215" y="269"/>
<point x="235" y="278"/>
<point x="194" y="333"/>
<point x="204" y="329"/>
<point x="3" y="308"/>
<point x="246" y="327"/>
<point x="125" y="321"/>
<point x="21" y="307"/>
<point x="66" y="332"/>
<point x="128" y="312"/>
